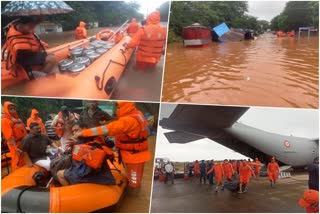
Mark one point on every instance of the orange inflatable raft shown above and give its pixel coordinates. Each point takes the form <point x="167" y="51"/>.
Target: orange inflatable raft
<point x="19" y="193"/>
<point x="96" y="81"/>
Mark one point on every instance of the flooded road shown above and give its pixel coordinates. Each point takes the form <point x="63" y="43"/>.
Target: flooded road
<point x="269" y="71"/>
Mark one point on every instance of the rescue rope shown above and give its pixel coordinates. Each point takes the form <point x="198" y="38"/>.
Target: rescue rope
<point x="19" y="197"/>
<point x="99" y="83"/>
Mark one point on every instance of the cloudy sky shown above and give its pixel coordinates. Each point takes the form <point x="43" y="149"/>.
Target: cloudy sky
<point x="148" y="6"/>
<point x="265" y="10"/>
<point x="296" y="122"/>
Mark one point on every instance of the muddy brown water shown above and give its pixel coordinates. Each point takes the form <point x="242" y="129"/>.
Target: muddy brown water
<point x="268" y="71"/>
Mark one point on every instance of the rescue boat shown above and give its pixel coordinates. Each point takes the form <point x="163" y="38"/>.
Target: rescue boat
<point x="19" y="193"/>
<point x="96" y="79"/>
<point x="196" y="35"/>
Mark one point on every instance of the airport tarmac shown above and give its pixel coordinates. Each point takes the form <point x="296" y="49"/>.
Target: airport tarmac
<point x="190" y="196"/>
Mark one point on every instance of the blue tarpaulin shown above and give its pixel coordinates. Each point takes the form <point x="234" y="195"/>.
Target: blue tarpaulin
<point x="221" y="29"/>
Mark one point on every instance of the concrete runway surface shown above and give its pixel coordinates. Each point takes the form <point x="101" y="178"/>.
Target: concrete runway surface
<point x="191" y="196"/>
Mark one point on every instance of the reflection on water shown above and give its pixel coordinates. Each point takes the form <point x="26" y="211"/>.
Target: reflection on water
<point x="269" y="71"/>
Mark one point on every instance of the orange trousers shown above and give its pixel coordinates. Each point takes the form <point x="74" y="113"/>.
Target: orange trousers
<point x="273" y="176"/>
<point x="17" y="158"/>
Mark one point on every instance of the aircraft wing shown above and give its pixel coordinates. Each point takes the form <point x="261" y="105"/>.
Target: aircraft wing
<point x="203" y="117"/>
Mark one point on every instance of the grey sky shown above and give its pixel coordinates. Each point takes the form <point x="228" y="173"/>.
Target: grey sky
<point x="266" y="10"/>
<point x="296" y="122"/>
<point x="146" y="7"/>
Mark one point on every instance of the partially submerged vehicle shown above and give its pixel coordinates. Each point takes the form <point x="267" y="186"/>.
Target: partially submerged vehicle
<point x="196" y="35"/>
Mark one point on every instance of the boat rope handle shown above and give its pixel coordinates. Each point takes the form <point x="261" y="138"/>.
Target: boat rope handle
<point x="99" y="83"/>
<point x="19" y="197"/>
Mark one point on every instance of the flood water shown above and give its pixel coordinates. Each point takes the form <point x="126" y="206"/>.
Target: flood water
<point x="268" y="71"/>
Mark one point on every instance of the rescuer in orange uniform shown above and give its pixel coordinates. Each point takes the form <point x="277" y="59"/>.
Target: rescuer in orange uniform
<point x="257" y="167"/>
<point x="218" y="173"/>
<point x="131" y="133"/>
<point x="24" y="48"/>
<point x="133" y="27"/>
<point x="81" y="31"/>
<point x="88" y="163"/>
<point x="227" y="169"/>
<point x="13" y="130"/>
<point x="310" y="201"/>
<point x="196" y="168"/>
<point x="150" y="40"/>
<point x="35" y="118"/>
<point x="245" y="173"/>
<point x="234" y="166"/>
<point x="273" y="171"/>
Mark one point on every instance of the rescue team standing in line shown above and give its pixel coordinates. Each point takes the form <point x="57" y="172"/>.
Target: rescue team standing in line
<point x="129" y="129"/>
<point x="227" y="169"/>
<point x="25" y="49"/>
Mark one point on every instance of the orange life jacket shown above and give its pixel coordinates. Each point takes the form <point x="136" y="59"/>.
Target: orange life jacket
<point x="92" y="156"/>
<point x="132" y="28"/>
<point x="79" y="33"/>
<point x="19" y="129"/>
<point x="137" y="141"/>
<point x="16" y="41"/>
<point x="153" y="41"/>
<point x="104" y="35"/>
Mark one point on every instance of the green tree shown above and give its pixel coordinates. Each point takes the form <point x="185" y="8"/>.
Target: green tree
<point x="297" y="14"/>
<point x="104" y="12"/>
<point x="210" y="14"/>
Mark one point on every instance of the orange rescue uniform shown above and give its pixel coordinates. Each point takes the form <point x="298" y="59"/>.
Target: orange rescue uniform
<point x="132" y="28"/>
<point x="17" y="41"/>
<point x="273" y="171"/>
<point x="150" y="40"/>
<point x="34" y="118"/>
<point x="228" y="170"/>
<point x="257" y="167"/>
<point x="245" y="173"/>
<point x="130" y="131"/>
<point x="81" y="31"/>
<point x="218" y="172"/>
<point x="196" y="167"/>
<point x="13" y="130"/>
<point x="234" y="166"/>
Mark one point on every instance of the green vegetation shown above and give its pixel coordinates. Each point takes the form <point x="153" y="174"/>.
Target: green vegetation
<point x="45" y="106"/>
<point x="297" y="14"/>
<point x="105" y="12"/>
<point x="52" y="106"/>
<point x="211" y="14"/>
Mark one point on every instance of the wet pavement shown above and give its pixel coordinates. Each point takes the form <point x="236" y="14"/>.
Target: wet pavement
<point x="268" y="71"/>
<point x="191" y="196"/>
